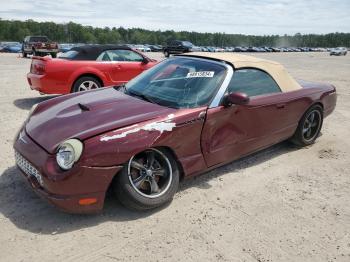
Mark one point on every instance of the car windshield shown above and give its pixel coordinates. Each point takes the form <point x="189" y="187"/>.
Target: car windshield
<point x="38" y="39"/>
<point x="179" y="82"/>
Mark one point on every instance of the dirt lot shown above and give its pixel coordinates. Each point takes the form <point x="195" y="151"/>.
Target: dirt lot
<point x="282" y="204"/>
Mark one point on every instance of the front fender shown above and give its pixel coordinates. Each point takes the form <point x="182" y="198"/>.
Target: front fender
<point x="180" y="132"/>
<point x="118" y="146"/>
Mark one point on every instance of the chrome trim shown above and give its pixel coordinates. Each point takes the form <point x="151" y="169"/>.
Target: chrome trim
<point x="28" y="168"/>
<point x="170" y="176"/>
<point x="216" y="101"/>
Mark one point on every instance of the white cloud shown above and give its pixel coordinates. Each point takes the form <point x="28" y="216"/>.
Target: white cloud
<point x="229" y="16"/>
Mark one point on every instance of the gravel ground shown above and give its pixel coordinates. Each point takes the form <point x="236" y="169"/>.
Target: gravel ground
<point x="281" y="204"/>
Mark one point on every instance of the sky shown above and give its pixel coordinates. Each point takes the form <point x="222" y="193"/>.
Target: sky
<point x="255" y="17"/>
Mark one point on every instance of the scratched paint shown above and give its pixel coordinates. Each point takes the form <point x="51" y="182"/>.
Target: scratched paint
<point x="161" y="127"/>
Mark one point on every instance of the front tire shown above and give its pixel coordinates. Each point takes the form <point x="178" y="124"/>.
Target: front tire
<point x="53" y="55"/>
<point x="150" y="179"/>
<point x="24" y="54"/>
<point x="86" y="83"/>
<point x="166" y="53"/>
<point x="309" y="126"/>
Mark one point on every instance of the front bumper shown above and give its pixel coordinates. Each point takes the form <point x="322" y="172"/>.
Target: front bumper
<point x="64" y="189"/>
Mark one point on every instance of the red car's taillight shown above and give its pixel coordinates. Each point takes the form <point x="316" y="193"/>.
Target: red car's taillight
<point x="38" y="69"/>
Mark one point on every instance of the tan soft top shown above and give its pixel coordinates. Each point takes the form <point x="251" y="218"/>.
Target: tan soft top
<point x="276" y="70"/>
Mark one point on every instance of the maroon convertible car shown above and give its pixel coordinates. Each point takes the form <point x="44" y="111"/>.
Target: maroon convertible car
<point x="184" y="116"/>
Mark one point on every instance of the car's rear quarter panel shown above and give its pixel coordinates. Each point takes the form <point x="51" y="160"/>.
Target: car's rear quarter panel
<point x="322" y="93"/>
<point x="61" y="74"/>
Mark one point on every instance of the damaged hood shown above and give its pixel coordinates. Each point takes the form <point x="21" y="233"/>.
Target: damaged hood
<point x="87" y="114"/>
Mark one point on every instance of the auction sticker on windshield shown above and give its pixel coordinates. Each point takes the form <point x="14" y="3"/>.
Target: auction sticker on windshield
<point x="200" y="74"/>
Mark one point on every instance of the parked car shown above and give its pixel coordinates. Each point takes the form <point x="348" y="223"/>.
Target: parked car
<point x="179" y="47"/>
<point x="219" y="49"/>
<point x="277" y="49"/>
<point x="11" y="47"/>
<point x="240" y="49"/>
<point x="155" y="48"/>
<point x="2" y="45"/>
<point x="229" y="49"/>
<point x="141" y="48"/>
<point x="64" y="47"/>
<point x="210" y="49"/>
<point x="253" y="49"/>
<point x="86" y="67"/>
<point x="39" y="46"/>
<point x="183" y="117"/>
<point x="147" y="48"/>
<point x="339" y="51"/>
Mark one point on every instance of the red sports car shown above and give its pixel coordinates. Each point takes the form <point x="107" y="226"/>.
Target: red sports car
<point x="186" y="115"/>
<point x="85" y="68"/>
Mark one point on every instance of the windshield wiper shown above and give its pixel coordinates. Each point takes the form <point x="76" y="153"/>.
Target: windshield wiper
<point x="121" y="87"/>
<point x="142" y="96"/>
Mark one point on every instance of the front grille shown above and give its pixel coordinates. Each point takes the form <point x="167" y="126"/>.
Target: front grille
<point x="27" y="167"/>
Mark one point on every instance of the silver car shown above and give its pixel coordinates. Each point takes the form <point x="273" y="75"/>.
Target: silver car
<point x="339" y="51"/>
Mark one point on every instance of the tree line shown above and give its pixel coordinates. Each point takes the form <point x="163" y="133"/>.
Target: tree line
<point x="14" y="30"/>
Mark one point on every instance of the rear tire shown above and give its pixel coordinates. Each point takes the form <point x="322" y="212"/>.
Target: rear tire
<point x="166" y="53"/>
<point x="134" y="185"/>
<point x="24" y="54"/>
<point x="309" y="127"/>
<point x="86" y="83"/>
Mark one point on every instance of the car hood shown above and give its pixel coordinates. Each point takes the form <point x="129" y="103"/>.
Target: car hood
<point x="87" y="114"/>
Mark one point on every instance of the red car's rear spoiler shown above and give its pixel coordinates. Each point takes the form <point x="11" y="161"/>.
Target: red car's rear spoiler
<point x="42" y="58"/>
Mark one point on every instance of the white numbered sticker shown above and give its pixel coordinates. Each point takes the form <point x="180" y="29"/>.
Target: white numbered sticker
<point x="200" y="74"/>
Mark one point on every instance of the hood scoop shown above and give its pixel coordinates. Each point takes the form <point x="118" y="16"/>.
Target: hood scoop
<point x="83" y="107"/>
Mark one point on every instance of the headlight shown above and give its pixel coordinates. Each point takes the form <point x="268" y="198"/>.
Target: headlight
<point x="68" y="153"/>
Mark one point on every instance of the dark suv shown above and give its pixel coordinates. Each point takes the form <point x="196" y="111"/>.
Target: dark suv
<point x="39" y="46"/>
<point x="179" y="47"/>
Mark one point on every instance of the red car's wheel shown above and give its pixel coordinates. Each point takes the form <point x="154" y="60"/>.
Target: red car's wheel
<point x="309" y="127"/>
<point x="149" y="180"/>
<point x="86" y="83"/>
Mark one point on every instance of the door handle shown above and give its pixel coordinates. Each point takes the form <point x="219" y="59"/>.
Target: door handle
<point x="280" y="106"/>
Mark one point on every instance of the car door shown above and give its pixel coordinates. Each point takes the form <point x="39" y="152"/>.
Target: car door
<point x="235" y="131"/>
<point x="123" y="64"/>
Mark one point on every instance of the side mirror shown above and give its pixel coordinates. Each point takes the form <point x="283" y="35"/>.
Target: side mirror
<point x="236" y="98"/>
